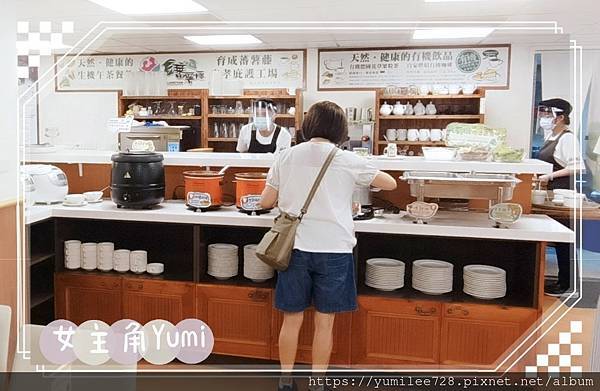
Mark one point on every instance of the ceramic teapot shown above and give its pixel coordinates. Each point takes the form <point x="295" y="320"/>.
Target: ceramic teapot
<point x="419" y="108"/>
<point x="430" y="109"/>
<point x="399" y="109"/>
<point x="409" y="110"/>
<point x="385" y="109"/>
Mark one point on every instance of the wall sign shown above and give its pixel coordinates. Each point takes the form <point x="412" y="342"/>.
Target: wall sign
<point x="257" y="69"/>
<point x="486" y="66"/>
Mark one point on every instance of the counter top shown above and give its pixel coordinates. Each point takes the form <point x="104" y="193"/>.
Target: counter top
<point x="220" y="159"/>
<point x="451" y="224"/>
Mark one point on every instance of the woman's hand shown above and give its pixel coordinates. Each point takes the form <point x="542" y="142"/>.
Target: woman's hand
<point x="268" y="198"/>
<point x="384" y="181"/>
<point x="545" y="178"/>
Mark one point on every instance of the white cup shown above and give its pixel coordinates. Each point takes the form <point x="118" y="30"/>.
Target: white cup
<point x="391" y="150"/>
<point x="105" y="256"/>
<point x="75" y="199"/>
<point x="391" y="134"/>
<point x="539" y="196"/>
<point x="72" y="254"/>
<point x="468" y="89"/>
<point x="121" y="260"/>
<point x="402" y="133"/>
<point x="138" y="261"/>
<point x="444" y="134"/>
<point x="424" y="89"/>
<point x="412" y="134"/>
<point x="89" y="256"/>
<point x="435" y="134"/>
<point x="573" y="200"/>
<point x="156" y="268"/>
<point x="424" y="134"/>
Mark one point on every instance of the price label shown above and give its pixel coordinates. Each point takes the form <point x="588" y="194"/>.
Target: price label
<point x="198" y="199"/>
<point x="250" y="202"/>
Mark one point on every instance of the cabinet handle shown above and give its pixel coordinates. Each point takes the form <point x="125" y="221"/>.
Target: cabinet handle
<point x="460" y="310"/>
<point x="422" y="312"/>
<point x="257" y="295"/>
<point x="138" y="286"/>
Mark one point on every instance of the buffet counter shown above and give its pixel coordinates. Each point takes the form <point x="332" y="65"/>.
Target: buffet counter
<point x="450" y="224"/>
<point x="262" y="160"/>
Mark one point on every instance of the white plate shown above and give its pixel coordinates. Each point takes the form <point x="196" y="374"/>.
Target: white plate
<point x="484" y="269"/>
<point x="95" y="202"/>
<point x="84" y="203"/>
<point x="432" y="263"/>
<point x="385" y="262"/>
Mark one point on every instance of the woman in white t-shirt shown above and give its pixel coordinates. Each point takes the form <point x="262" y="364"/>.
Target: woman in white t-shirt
<point x="262" y="135"/>
<point x="321" y="270"/>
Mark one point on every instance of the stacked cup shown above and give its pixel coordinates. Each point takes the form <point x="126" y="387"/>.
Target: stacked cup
<point x="89" y="256"/>
<point x="121" y="260"/>
<point x="138" y="261"/>
<point x="72" y="254"/>
<point x="105" y="256"/>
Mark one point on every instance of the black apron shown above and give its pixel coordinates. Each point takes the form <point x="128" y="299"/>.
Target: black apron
<point x="256" y="147"/>
<point x="547" y="154"/>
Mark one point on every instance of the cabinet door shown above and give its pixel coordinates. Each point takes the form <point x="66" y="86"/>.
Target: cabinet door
<point x="145" y="300"/>
<point x="479" y="334"/>
<point x="340" y="352"/>
<point x="395" y="331"/>
<point x="80" y="297"/>
<point x="240" y="318"/>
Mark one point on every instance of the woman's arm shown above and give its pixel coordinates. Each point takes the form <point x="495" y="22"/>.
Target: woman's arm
<point x="268" y="198"/>
<point x="384" y="181"/>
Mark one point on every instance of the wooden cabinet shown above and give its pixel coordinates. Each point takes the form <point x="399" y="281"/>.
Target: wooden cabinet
<point x="395" y="331"/>
<point x="80" y="297"/>
<point x="479" y="334"/>
<point x="340" y="352"/>
<point x="240" y="318"/>
<point x="145" y="300"/>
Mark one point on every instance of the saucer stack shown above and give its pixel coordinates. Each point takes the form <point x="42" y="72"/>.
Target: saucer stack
<point x="484" y="282"/>
<point x="254" y="268"/>
<point x="432" y="277"/>
<point x="222" y="260"/>
<point x="384" y="274"/>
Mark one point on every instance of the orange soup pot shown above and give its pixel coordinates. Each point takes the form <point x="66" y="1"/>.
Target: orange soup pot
<point x="249" y="184"/>
<point x="199" y="184"/>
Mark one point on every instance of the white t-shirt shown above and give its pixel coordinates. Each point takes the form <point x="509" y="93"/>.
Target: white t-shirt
<point x="327" y="226"/>
<point x="284" y="140"/>
<point x="564" y="153"/>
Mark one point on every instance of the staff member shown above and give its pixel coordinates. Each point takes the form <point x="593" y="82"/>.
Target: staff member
<point x="560" y="150"/>
<point x="262" y="135"/>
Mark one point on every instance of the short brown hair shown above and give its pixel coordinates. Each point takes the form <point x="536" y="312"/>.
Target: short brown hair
<point x="327" y="120"/>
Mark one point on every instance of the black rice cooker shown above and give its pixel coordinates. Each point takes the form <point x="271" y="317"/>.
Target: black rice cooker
<point x="137" y="179"/>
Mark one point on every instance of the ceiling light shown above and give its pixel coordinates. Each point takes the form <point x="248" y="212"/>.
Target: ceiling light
<point x="452" y="32"/>
<point x="151" y="7"/>
<point x="244" y="39"/>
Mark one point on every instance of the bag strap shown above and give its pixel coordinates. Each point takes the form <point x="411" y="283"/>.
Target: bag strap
<point x="317" y="182"/>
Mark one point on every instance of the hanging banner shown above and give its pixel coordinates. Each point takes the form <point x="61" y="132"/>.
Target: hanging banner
<point x="347" y="69"/>
<point x="257" y="69"/>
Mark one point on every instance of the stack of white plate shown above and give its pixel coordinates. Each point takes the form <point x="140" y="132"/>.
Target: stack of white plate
<point x="384" y="274"/>
<point x="484" y="282"/>
<point x="222" y="260"/>
<point x="254" y="268"/>
<point x="432" y="277"/>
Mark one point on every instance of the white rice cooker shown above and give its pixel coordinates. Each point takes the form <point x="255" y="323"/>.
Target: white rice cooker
<point x="49" y="183"/>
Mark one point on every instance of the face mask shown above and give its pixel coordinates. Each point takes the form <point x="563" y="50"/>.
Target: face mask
<point x="261" y="122"/>
<point x="547" y="123"/>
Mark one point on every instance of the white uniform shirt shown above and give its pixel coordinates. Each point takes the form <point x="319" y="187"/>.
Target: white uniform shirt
<point x="284" y="140"/>
<point x="566" y="152"/>
<point x="327" y="226"/>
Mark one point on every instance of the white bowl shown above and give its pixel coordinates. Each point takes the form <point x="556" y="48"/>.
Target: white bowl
<point x="93" y="196"/>
<point x="155" y="268"/>
<point x="439" y="153"/>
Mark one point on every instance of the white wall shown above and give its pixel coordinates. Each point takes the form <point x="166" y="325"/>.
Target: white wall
<point x="8" y="99"/>
<point x="81" y="117"/>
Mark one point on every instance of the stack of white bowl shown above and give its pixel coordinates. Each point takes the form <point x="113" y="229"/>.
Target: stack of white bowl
<point x="222" y="260"/>
<point x="254" y="268"/>
<point x="484" y="282"/>
<point x="432" y="276"/>
<point x="384" y="274"/>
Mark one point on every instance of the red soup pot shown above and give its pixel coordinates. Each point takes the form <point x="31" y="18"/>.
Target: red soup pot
<point x="249" y="183"/>
<point x="200" y="183"/>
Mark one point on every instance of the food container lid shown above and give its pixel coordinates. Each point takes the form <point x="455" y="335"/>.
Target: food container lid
<point x="137" y="157"/>
<point x="202" y="174"/>
<point x="251" y="175"/>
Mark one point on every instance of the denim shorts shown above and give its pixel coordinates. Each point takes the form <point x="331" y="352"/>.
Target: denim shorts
<point x="325" y="280"/>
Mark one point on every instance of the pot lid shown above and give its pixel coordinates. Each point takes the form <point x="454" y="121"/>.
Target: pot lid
<point x="202" y="174"/>
<point x="251" y="175"/>
<point x="137" y="157"/>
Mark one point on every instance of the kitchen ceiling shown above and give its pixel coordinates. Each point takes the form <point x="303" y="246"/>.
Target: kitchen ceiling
<point x="578" y="22"/>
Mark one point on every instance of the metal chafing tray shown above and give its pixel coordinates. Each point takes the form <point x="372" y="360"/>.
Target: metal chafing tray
<point x="498" y="187"/>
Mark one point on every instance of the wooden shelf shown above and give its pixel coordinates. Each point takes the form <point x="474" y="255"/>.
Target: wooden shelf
<point x="166" y="116"/>
<point x="186" y="97"/>
<point x="254" y="97"/>
<point x="223" y="139"/>
<point x="421" y="143"/>
<point x="247" y="116"/>
<point x="432" y="117"/>
<point x="425" y="97"/>
<point x="39" y="258"/>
